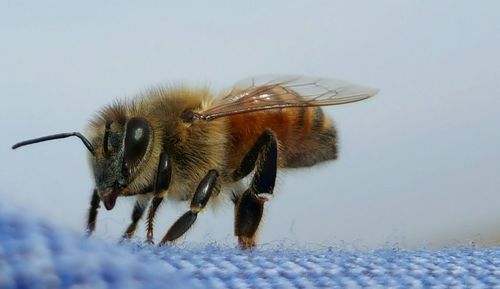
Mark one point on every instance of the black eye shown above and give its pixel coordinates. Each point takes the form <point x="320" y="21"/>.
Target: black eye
<point x="136" y="140"/>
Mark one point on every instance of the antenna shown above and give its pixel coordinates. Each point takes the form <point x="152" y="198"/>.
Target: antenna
<point x="85" y="141"/>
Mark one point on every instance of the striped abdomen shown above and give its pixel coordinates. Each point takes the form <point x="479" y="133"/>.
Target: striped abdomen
<point x="305" y="135"/>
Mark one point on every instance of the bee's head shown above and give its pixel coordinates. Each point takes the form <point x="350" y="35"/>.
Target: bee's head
<point x="117" y="153"/>
<point x="121" y="148"/>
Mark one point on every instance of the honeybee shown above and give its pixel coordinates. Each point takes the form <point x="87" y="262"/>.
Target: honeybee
<point x="187" y="144"/>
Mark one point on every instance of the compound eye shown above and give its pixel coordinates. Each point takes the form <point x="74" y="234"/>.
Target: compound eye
<point x="136" y="140"/>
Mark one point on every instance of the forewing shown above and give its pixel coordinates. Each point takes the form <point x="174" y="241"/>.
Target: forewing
<point x="273" y="92"/>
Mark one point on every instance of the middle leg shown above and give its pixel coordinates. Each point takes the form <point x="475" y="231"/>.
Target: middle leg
<point x="201" y="196"/>
<point x="155" y="204"/>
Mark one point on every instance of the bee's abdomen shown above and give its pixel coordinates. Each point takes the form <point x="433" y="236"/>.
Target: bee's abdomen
<point x="305" y="135"/>
<point x="312" y="138"/>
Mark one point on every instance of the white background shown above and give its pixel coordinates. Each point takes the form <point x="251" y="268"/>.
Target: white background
<point x="419" y="164"/>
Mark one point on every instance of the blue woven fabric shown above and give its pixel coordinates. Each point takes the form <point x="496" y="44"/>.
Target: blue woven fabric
<point x="36" y="255"/>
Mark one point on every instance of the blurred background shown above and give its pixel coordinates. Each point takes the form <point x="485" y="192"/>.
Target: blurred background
<point x="419" y="164"/>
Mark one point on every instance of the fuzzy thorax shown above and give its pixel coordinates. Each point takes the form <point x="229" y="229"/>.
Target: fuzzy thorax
<point x="194" y="148"/>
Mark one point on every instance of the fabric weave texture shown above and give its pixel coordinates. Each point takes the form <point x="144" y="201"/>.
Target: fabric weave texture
<point x="34" y="254"/>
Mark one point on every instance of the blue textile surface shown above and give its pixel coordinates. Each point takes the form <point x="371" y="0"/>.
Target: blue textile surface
<point x="36" y="255"/>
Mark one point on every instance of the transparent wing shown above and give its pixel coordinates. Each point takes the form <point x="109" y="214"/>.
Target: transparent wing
<point x="273" y="92"/>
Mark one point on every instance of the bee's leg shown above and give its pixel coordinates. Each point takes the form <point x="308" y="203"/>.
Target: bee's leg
<point x="151" y="215"/>
<point x="200" y="199"/>
<point x="162" y="182"/>
<point x="248" y="163"/>
<point x="250" y="206"/>
<point x="139" y="208"/>
<point x="92" y="215"/>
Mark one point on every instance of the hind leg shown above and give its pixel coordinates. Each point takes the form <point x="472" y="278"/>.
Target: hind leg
<point x="250" y="205"/>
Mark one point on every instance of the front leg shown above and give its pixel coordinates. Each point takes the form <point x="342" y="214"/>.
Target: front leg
<point x="201" y="196"/>
<point x="162" y="182"/>
<point x="138" y="211"/>
<point x="92" y="214"/>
